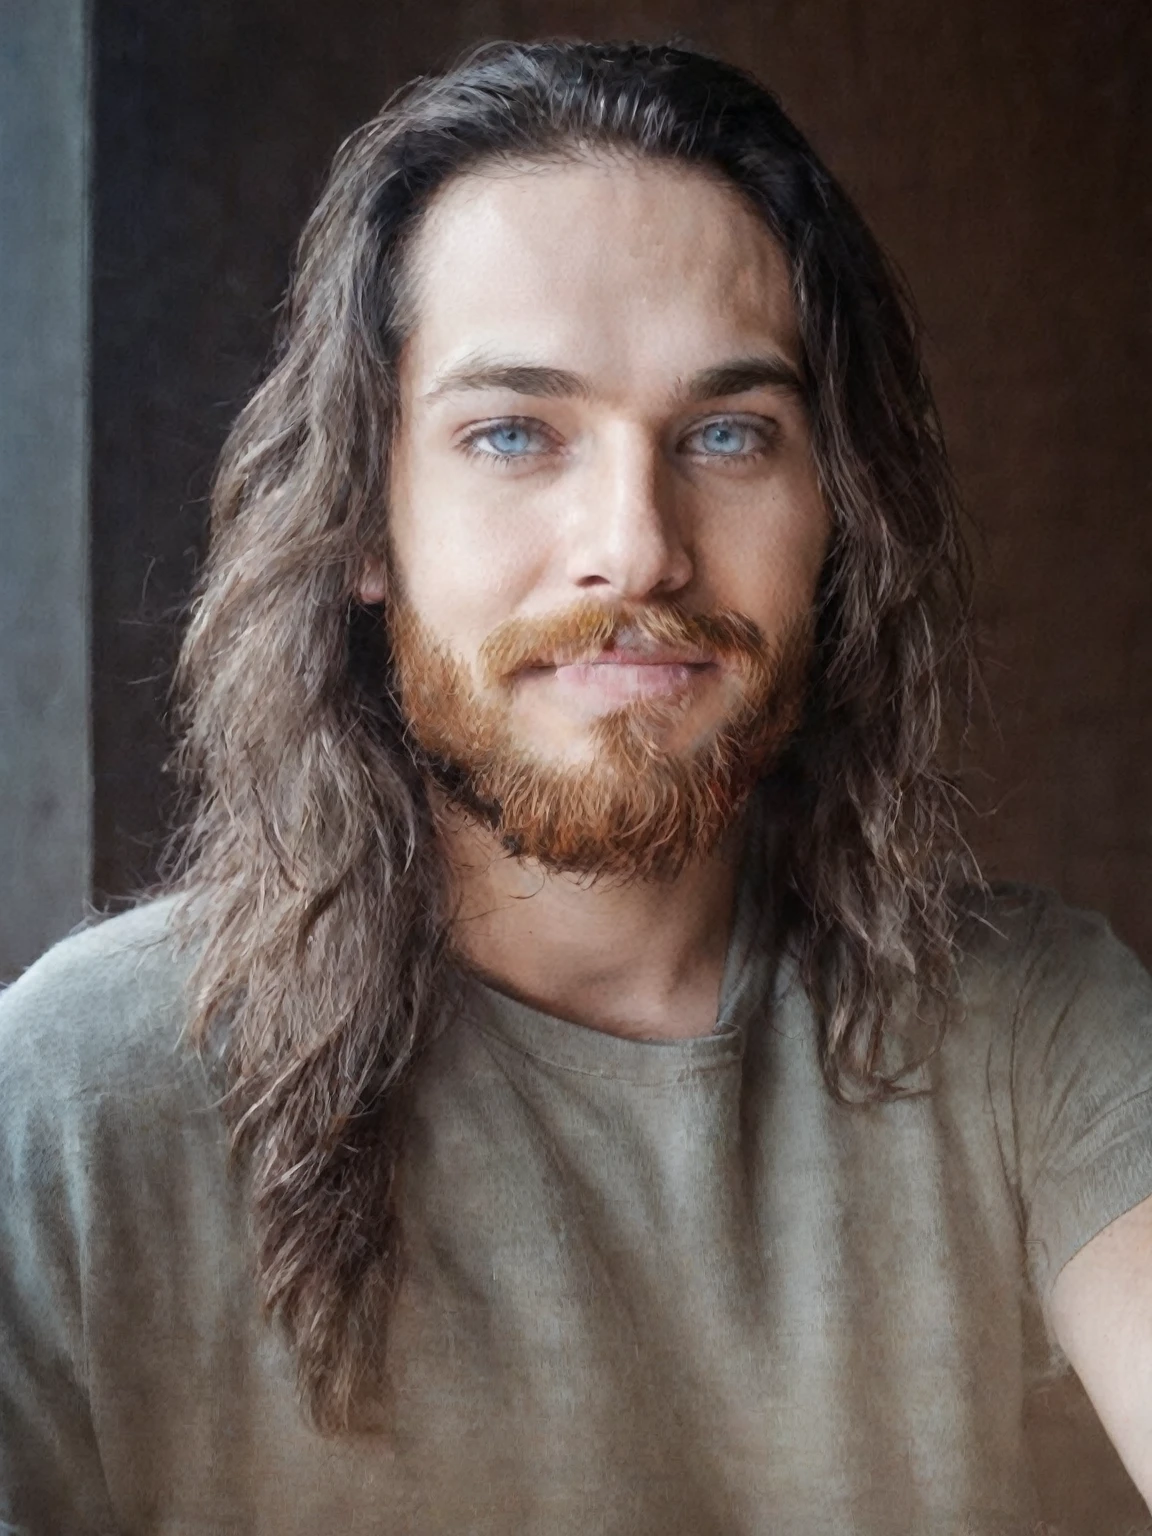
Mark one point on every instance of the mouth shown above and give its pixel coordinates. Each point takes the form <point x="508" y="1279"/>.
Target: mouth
<point x="630" y="650"/>
<point x="621" y="674"/>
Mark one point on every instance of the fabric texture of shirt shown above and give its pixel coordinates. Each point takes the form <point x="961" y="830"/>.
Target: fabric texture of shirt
<point x="652" y="1288"/>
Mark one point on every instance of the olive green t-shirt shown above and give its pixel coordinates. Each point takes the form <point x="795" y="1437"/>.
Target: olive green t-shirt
<point x="653" y="1288"/>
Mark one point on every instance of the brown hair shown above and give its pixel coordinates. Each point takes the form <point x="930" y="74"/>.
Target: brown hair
<point x="313" y="890"/>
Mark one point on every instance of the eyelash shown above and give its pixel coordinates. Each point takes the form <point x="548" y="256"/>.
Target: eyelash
<point x="484" y="429"/>
<point x="764" y="427"/>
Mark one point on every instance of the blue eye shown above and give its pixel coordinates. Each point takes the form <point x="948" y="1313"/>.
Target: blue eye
<point x="512" y="440"/>
<point x="506" y="440"/>
<point x="726" y="439"/>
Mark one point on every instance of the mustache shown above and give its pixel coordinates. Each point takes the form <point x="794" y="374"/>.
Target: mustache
<point x="582" y="632"/>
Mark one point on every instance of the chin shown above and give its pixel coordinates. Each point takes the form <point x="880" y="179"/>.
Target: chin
<point x="666" y="728"/>
<point x="634" y="790"/>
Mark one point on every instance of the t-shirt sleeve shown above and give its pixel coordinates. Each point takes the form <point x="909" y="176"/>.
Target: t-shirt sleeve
<point x="1081" y="1086"/>
<point x="51" y="1480"/>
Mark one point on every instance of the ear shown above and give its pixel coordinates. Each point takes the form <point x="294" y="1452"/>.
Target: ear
<point x="373" y="584"/>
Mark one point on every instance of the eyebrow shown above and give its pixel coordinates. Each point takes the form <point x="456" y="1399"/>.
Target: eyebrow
<point x="744" y="374"/>
<point x="520" y="378"/>
<point x="737" y="377"/>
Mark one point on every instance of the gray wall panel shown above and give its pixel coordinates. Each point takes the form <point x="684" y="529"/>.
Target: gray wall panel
<point x="45" y="853"/>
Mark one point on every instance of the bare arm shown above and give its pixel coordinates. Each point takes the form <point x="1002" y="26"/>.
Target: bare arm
<point x="1101" y="1313"/>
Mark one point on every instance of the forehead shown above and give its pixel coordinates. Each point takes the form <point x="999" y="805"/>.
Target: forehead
<point x="622" y="269"/>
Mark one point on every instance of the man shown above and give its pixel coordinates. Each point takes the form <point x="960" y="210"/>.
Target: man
<point x="641" y="1121"/>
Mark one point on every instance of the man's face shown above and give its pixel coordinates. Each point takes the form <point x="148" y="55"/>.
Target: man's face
<point x="605" y="518"/>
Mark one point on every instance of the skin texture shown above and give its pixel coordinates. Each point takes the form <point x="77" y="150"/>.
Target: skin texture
<point x="631" y="480"/>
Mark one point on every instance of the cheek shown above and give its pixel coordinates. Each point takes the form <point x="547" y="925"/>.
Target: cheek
<point x="464" y="562"/>
<point x="769" y="562"/>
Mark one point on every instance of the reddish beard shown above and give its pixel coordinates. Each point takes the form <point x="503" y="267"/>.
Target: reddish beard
<point x="637" y="809"/>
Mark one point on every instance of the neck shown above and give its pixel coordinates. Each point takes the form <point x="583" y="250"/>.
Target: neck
<point x="643" y="959"/>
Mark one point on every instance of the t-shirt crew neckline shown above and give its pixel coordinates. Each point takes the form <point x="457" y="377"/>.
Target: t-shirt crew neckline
<point x="594" y="1052"/>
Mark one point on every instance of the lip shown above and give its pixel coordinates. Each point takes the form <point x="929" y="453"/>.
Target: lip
<point x="618" y="677"/>
<point x="650" y="658"/>
<point x="627" y="656"/>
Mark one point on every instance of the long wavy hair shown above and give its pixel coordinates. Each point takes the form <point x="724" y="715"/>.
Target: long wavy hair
<point x="313" y="892"/>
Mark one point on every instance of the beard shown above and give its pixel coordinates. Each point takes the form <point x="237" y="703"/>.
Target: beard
<point x="636" y="808"/>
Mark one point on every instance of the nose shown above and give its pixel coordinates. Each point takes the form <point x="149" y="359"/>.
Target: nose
<point x="626" y="536"/>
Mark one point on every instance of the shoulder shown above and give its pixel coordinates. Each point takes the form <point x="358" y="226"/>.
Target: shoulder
<point x="101" y="1101"/>
<point x="1070" y="1063"/>
<point x="101" y="1011"/>
<point x="1055" y="1012"/>
<point x="1020" y="944"/>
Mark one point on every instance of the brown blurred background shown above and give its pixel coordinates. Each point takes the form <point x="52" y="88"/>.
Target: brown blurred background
<point x="157" y="158"/>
